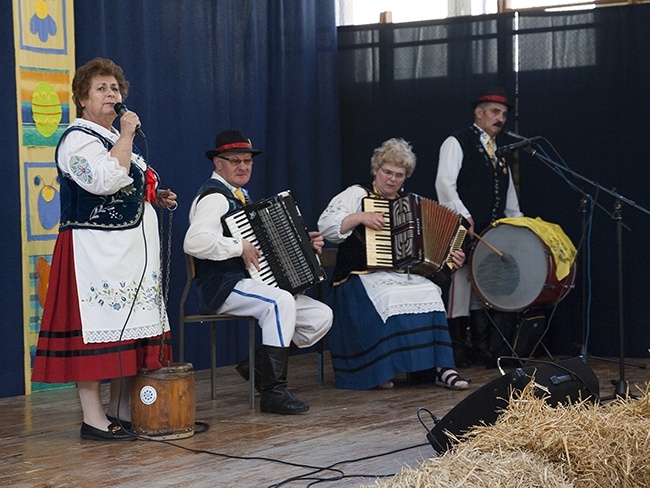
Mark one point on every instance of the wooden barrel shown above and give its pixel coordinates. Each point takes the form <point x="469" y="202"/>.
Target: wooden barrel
<point x="163" y="402"/>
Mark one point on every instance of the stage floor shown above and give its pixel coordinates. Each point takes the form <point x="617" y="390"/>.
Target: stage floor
<point x="40" y="443"/>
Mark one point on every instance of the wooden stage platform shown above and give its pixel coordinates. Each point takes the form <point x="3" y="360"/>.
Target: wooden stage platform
<point x="361" y="433"/>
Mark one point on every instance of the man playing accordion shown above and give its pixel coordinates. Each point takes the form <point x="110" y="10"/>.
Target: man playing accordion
<point x="224" y="282"/>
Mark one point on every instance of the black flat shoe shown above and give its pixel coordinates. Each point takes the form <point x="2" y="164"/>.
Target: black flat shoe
<point x="114" y="433"/>
<point x="125" y="423"/>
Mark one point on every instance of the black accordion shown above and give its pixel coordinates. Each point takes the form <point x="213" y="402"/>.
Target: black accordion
<point x="420" y="237"/>
<point x="275" y="226"/>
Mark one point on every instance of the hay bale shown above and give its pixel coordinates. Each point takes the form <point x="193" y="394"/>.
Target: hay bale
<point x="535" y="445"/>
<point x="469" y="468"/>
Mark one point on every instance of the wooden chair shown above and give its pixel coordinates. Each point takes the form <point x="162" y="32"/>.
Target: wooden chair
<point x="327" y="260"/>
<point x="212" y="319"/>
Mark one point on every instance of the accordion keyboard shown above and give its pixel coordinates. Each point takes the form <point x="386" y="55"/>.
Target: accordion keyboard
<point x="379" y="249"/>
<point x="241" y="228"/>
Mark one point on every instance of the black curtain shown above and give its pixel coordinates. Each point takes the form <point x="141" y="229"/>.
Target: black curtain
<point x="269" y="68"/>
<point x="583" y="85"/>
<point x="415" y="81"/>
<point x="580" y="80"/>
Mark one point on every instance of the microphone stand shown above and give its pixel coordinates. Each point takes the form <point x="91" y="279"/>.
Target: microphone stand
<point x="620" y="385"/>
<point x="585" y="306"/>
<point x="583" y="211"/>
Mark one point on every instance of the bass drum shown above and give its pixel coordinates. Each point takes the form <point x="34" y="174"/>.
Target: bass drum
<point x="523" y="277"/>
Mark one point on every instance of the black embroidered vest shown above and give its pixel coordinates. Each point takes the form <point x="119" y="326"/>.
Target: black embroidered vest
<point x="82" y="209"/>
<point x="352" y="252"/>
<point x="216" y="279"/>
<point x="482" y="187"/>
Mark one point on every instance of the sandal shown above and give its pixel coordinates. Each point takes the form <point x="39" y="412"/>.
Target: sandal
<point x="450" y="379"/>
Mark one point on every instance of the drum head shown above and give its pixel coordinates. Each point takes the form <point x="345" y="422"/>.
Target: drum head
<point x="513" y="282"/>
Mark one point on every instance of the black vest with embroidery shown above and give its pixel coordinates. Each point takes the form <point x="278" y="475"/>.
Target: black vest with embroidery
<point x="216" y="279"/>
<point x="352" y="252"/>
<point x="482" y="187"/>
<point x="81" y="209"/>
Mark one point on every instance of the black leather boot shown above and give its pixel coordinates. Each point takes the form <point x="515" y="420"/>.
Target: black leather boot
<point x="243" y="369"/>
<point x="479" y="326"/>
<point x="458" y="332"/>
<point x="275" y="396"/>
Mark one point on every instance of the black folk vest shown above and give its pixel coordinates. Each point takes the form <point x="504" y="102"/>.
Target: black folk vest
<point x="216" y="279"/>
<point x="351" y="256"/>
<point x="482" y="187"/>
<point x="81" y="209"/>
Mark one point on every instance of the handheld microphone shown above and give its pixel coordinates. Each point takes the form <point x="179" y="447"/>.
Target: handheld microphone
<point x="510" y="148"/>
<point x="120" y="109"/>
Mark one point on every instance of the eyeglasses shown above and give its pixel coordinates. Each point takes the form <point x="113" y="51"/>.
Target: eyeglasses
<point x="236" y="162"/>
<point x="392" y="174"/>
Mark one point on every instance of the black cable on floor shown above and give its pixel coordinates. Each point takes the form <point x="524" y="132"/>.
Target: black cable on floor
<point x="310" y="476"/>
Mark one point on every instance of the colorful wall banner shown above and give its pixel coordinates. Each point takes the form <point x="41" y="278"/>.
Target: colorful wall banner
<point x="45" y="63"/>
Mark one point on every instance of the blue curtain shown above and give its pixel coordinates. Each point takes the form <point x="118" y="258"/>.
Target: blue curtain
<point x="197" y="67"/>
<point x="11" y="345"/>
<point x="271" y="69"/>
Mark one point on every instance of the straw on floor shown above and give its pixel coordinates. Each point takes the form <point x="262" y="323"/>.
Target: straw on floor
<point x="535" y="445"/>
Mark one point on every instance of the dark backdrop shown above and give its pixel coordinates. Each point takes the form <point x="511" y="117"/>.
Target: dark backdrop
<point x="197" y="67"/>
<point x="583" y="86"/>
<point x="580" y="80"/>
<point x="270" y="68"/>
<point x="11" y="301"/>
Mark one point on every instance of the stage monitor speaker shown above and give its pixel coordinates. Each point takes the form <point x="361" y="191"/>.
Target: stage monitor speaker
<point x="570" y="378"/>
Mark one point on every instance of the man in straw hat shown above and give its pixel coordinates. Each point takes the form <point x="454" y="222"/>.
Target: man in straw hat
<point x="476" y="183"/>
<point x="226" y="287"/>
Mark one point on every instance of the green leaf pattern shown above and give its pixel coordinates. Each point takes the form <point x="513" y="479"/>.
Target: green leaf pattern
<point x="118" y="295"/>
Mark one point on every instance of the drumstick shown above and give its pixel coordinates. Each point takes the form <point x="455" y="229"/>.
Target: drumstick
<point x="489" y="245"/>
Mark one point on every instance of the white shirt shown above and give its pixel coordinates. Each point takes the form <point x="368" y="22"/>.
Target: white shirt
<point x="205" y="237"/>
<point x="449" y="166"/>
<point x="110" y="265"/>
<point x="391" y="292"/>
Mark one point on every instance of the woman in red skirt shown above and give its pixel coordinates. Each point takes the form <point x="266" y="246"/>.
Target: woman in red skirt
<point x="104" y="317"/>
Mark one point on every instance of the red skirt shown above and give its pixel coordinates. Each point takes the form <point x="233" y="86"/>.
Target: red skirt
<point x="61" y="354"/>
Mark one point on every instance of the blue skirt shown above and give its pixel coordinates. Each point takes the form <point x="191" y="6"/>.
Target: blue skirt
<point x="367" y="352"/>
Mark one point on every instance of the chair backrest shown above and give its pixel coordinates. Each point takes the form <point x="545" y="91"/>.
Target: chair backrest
<point x="190" y="271"/>
<point x="327" y="260"/>
<point x="328" y="257"/>
<point x="190" y="267"/>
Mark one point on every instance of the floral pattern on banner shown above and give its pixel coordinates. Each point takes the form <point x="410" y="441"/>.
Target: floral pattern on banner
<point x="44" y="67"/>
<point x="116" y="296"/>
